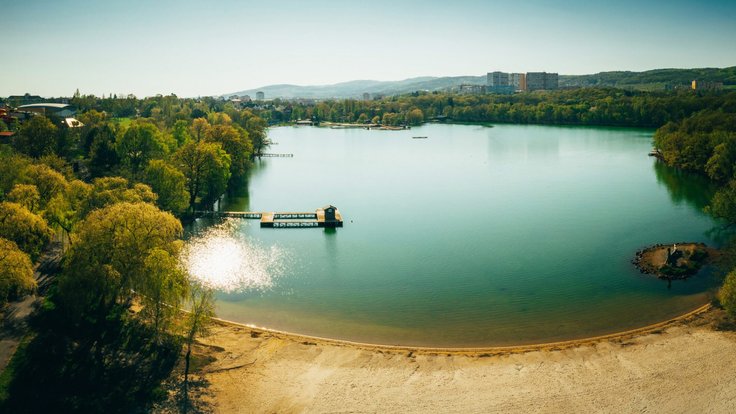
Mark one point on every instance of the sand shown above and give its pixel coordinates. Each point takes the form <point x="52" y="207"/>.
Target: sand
<point x="680" y="366"/>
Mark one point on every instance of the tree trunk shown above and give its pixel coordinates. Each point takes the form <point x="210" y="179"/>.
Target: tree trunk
<point x="186" y="379"/>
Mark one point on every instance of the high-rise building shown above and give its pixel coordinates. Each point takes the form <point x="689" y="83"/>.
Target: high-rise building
<point x="260" y="96"/>
<point x="541" y="80"/>
<point x="366" y="96"/>
<point x="498" y="82"/>
<point x="518" y="81"/>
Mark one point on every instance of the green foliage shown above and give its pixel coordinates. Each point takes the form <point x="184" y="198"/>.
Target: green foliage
<point x="26" y="195"/>
<point x="27" y="230"/>
<point x="206" y="167"/>
<point x="107" y="191"/>
<point x="163" y="290"/>
<point x="16" y="272"/>
<point x="107" y="259"/>
<point x="12" y="170"/>
<point x="138" y="144"/>
<point x="723" y="204"/>
<point x="169" y="184"/>
<point x="36" y="137"/>
<point x="47" y="181"/>
<point x="727" y="294"/>
<point x="102" y="363"/>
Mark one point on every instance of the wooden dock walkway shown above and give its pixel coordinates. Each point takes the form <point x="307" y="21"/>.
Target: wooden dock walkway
<point x="328" y="216"/>
<point x="276" y="155"/>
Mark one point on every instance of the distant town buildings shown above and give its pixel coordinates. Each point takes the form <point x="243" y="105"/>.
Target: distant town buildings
<point x="469" y="89"/>
<point x="366" y="96"/>
<point x="697" y="85"/>
<point x="502" y="82"/>
<point x="541" y="81"/>
<point x="260" y="96"/>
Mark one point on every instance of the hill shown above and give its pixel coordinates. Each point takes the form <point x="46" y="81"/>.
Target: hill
<point x="649" y="80"/>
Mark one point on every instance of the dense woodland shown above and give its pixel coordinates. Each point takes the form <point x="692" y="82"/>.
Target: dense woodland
<point x="107" y="198"/>
<point x="110" y="196"/>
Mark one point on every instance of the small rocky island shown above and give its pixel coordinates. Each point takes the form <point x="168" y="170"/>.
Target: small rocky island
<point x="673" y="261"/>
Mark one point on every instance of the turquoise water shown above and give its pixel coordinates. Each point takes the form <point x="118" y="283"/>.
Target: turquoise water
<point x="475" y="236"/>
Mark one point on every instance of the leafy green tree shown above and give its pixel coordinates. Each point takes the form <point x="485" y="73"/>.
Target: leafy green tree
<point x="199" y="129"/>
<point x="103" y="156"/>
<point x="723" y="204"/>
<point x="256" y="127"/>
<point x="36" y="137"/>
<point x="27" y="230"/>
<point x="107" y="260"/>
<point x="164" y="288"/>
<point x="236" y="143"/>
<point x="110" y="190"/>
<point x="12" y="170"/>
<point x="720" y="166"/>
<point x="727" y="294"/>
<point x="180" y="132"/>
<point x="201" y="311"/>
<point x="169" y="184"/>
<point x="48" y="182"/>
<point x="206" y="167"/>
<point x="415" y="117"/>
<point x="26" y="195"/>
<point x="140" y="143"/>
<point x="16" y="272"/>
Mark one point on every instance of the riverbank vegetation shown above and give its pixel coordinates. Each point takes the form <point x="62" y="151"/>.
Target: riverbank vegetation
<point x="108" y="330"/>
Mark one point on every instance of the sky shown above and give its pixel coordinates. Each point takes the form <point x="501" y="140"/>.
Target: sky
<point x="201" y="48"/>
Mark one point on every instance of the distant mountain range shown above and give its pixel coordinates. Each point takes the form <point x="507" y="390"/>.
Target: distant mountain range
<point x="648" y="80"/>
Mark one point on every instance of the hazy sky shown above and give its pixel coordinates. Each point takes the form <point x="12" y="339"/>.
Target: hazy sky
<point x="194" y="48"/>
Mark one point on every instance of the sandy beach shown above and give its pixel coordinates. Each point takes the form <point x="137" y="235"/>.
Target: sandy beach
<point x="682" y="365"/>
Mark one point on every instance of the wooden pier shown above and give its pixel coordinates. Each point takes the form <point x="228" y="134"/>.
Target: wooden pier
<point x="275" y="155"/>
<point x="328" y="216"/>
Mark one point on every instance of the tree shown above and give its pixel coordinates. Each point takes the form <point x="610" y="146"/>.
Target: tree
<point x="27" y="230"/>
<point x="727" y="294"/>
<point x="206" y="167"/>
<point x="12" y="170"/>
<point x="201" y="311"/>
<point x="236" y="143"/>
<point x="164" y="288"/>
<point x="103" y="156"/>
<point x="111" y="190"/>
<point x="36" y="137"/>
<point x="199" y="129"/>
<point x="415" y="117"/>
<point x="169" y="184"/>
<point x="140" y="143"/>
<point x="26" y="195"/>
<point x="723" y="204"/>
<point x="16" y="272"/>
<point x="107" y="260"/>
<point x="256" y="127"/>
<point x="48" y="182"/>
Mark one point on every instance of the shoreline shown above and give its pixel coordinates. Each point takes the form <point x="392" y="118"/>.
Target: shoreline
<point x="245" y="368"/>
<point x="491" y="350"/>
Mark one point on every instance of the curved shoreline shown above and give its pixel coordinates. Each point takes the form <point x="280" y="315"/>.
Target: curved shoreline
<point x="485" y="351"/>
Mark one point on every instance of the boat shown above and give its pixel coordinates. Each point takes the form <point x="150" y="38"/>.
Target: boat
<point x="419" y="137"/>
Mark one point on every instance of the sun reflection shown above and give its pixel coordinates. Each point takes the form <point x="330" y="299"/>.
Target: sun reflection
<point x="227" y="261"/>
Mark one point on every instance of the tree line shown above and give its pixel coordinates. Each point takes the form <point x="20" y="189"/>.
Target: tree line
<point x="583" y="106"/>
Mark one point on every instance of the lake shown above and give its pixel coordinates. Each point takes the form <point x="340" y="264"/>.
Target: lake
<point x="475" y="236"/>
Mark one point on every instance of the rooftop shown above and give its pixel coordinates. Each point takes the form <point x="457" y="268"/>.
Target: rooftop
<point x="44" y="105"/>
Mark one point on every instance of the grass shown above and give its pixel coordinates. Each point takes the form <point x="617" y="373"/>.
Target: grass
<point x="123" y="122"/>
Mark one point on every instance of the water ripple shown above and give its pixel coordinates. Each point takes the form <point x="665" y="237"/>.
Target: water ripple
<point x="224" y="259"/>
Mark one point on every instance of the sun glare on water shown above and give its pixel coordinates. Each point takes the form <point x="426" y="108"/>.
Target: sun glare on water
<point x="229" y="262"/>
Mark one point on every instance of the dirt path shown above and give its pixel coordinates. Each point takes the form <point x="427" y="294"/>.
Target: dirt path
<point x="687" y="367"/>
<point x="13" y="324"/>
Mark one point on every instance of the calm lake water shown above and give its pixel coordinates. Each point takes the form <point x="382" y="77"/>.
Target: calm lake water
<point x="474" y="236"/>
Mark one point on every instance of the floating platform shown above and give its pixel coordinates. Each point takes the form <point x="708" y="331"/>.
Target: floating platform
<point x="328" y="216"/>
